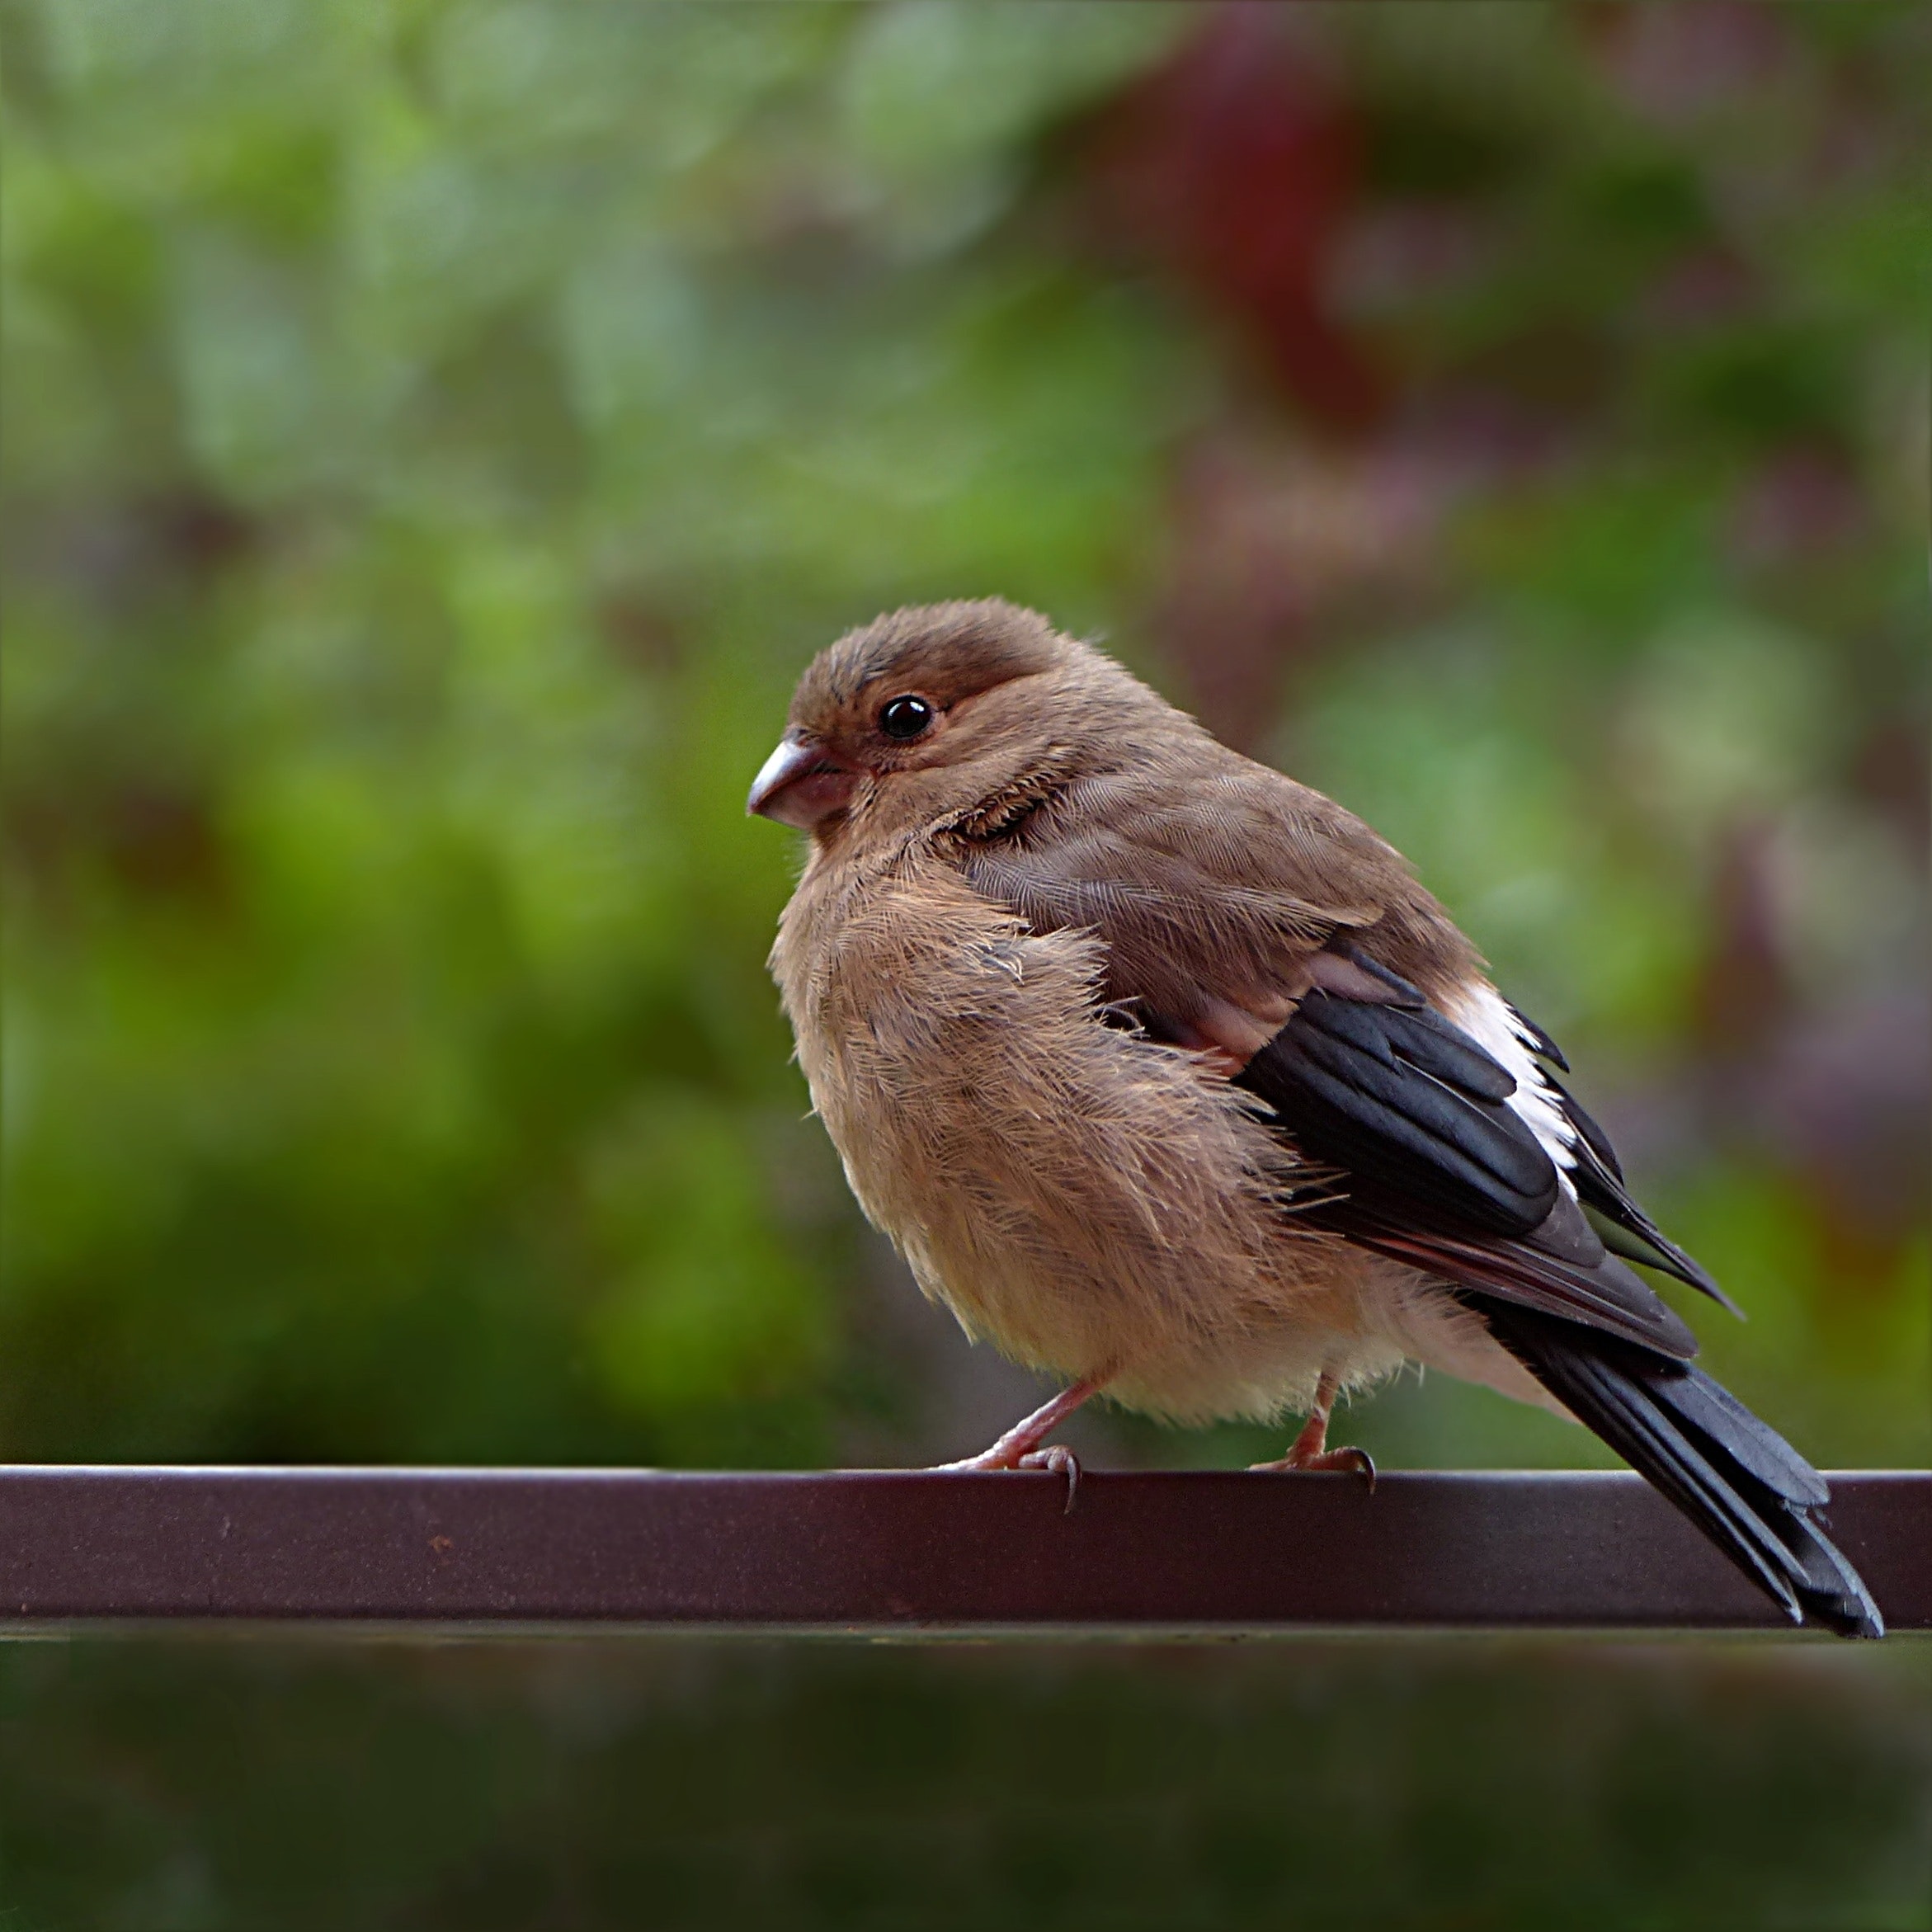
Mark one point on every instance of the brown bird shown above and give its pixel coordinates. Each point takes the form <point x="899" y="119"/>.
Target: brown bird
<point x="1166" y="1077"/>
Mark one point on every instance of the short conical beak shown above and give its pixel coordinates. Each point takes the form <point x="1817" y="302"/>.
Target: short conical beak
<point x="800" y="784"/>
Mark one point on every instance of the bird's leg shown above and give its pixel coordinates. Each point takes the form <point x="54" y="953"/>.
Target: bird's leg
<point x="1019" y="1448"/>
<point x="1310" y="1450"/>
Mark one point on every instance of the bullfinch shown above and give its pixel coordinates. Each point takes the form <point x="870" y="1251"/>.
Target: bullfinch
<point x="1166" y="1076"/>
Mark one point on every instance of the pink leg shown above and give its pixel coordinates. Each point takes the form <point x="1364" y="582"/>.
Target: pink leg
<point x="1310" y="1450"/>
<point x="1019" y="1448"/>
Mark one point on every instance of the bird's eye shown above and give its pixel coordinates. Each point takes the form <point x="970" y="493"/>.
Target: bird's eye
<point x="905" y="717"/>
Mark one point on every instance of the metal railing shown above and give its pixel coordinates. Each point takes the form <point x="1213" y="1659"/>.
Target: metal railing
<point x="450" y="1550"/>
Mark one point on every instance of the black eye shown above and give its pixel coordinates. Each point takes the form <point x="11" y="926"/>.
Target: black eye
<point x="905" y="717"/>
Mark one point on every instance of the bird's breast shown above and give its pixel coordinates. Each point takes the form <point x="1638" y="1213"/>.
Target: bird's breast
<point x="1081" y="1196"/>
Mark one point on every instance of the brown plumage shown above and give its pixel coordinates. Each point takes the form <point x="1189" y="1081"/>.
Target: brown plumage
<point x="1167" y="1077"/>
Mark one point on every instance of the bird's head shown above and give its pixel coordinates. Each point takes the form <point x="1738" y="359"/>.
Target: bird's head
<point x="926" y="712"/>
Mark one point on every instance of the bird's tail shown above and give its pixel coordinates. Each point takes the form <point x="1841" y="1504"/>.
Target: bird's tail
<point x="1736" y="1479"/>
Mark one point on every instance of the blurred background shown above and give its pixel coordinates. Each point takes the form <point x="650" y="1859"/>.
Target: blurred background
<point x="436" y="436"/>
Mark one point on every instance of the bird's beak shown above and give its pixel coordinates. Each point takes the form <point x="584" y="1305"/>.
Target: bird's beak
<point x="801" y="783"/>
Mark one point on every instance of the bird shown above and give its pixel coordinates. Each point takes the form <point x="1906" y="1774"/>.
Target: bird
<point x="1166" y="1076"/>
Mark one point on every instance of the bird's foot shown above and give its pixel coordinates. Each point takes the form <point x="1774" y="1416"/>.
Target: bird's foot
<point x="1355" y="1461"/>
<point x="1310" y="1450"/>
<point x="1020" y="1447"/>
<point x="1056" y="1459"/>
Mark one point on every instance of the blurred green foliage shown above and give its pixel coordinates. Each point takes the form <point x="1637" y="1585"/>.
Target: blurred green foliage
<point x="436" y="432"/>
<point x="436" y="435"/>
<point x="477" y="1788"/>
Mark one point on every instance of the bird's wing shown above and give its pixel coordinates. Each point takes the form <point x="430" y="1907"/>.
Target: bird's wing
<point x="1224" y="889"/>
<point x="1442" y="1169"/>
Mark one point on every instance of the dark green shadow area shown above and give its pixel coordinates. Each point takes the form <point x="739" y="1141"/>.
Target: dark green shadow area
<point x="281" y="1783"/>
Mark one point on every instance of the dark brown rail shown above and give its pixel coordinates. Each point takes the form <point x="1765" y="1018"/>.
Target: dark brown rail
<point x="883" y="1551"/>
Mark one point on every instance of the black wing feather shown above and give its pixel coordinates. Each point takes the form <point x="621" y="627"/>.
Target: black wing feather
<point x="1546" y="1048"/>
<point x="1604" y="1295"/>
<point x="1412" y="1107"/>
<point x="1599" y="1178"/>
<point x="1438" y="1169"/>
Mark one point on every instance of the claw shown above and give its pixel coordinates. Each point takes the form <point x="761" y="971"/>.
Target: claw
<point x="1057" y="1461"/>
<point x="1354" y="1461"/>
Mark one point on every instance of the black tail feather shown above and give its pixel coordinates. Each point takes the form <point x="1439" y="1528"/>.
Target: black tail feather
<point x="1736" y="1478"/>
<point x="1711" y="1409"/>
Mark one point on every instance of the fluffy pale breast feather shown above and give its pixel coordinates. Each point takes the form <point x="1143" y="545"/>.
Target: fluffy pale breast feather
<point x="1089" y="1201"/>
